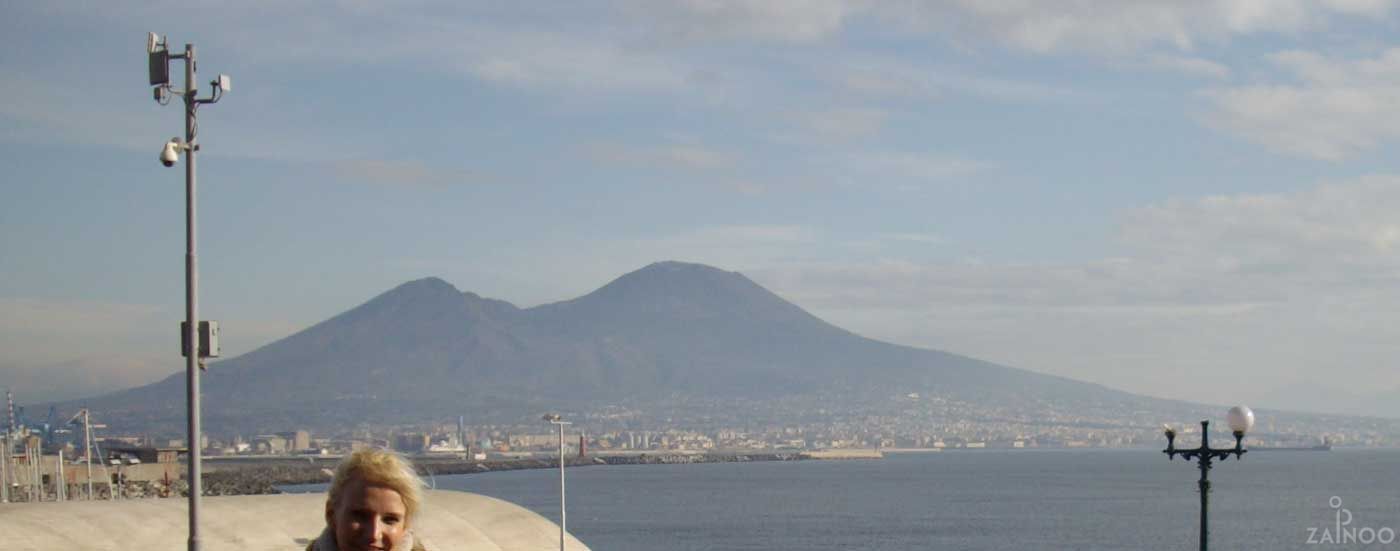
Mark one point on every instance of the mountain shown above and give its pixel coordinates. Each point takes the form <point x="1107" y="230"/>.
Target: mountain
<point x="425" y="350"/>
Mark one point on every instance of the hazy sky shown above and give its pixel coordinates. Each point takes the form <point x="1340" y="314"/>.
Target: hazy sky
<point x="1190" y="199"/>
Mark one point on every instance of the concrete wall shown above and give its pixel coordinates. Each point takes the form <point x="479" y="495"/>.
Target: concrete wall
<point x="449" y="521"/>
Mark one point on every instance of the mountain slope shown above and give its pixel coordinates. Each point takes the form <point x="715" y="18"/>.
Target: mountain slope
<point x="718" y="330"/>
<point x="424" y="350"/>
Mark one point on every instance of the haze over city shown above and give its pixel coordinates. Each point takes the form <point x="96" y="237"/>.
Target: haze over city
<point x="1189" y="200"/>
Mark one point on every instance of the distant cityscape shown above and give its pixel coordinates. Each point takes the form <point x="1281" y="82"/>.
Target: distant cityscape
<point x="909" y="422"/>
<point x="50" y="459"/>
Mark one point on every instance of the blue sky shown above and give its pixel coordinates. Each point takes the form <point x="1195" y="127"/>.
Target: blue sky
<point x="1143" y="194"/>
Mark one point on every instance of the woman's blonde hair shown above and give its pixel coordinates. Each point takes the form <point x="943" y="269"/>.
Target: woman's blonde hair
<point x="378" y="467"/>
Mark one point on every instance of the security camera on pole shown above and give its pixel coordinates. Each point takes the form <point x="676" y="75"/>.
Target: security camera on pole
<point x="198" y="339"/>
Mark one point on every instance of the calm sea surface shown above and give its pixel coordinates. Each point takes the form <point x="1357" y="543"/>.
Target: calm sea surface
<point x="994" y="500"/>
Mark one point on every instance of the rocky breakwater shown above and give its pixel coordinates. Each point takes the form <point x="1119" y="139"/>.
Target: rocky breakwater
<point x="856" y="453"/>
<point x="679" y="458"/>
<point x="247" y="478"/>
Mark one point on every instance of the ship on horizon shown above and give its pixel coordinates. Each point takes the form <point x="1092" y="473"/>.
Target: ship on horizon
<point x="1325" y="446"/>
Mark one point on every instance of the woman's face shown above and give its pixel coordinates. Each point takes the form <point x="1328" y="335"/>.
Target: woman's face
<point x="368" y="517"/>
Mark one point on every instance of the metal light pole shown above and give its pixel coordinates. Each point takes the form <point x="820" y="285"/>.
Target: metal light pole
<point x="1241" y="419"/>
<point x="554" y="419"/>
<point x="62" y="490"/>
<point x="87" y="451"/>
<point x="5" y="468"/>
<point x="198" y="339"/>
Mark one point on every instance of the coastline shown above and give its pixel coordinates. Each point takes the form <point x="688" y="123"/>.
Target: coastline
<point x="267" y="476"/>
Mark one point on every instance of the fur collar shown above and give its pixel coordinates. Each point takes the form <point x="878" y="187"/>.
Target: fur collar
<point x="324" y="542"/>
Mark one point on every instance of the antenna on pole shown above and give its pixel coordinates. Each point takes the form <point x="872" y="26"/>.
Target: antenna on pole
<point x="198" y="337"/>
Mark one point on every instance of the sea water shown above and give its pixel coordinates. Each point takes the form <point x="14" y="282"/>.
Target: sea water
<point x="985" y="499"/>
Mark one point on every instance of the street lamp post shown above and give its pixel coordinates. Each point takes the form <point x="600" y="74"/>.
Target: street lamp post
<point x="554" y="419"/>
<point x="199" y="340"/>
<point x="5" y="467"/>
<point x="1240" y="419"/>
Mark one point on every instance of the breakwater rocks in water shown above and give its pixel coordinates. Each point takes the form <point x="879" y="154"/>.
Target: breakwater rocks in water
<point x="663" y="458"/>
<point x="247" y="478"/>
<point x="855" y="453"/>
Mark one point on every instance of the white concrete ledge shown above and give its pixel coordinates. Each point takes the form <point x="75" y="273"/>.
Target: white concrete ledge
<point x="449" y="521"/>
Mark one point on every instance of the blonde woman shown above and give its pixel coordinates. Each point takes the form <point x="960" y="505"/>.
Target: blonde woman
<point x="371" y="504"/>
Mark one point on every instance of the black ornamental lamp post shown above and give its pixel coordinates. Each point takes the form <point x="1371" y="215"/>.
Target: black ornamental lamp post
<point x="1241" y="419"/>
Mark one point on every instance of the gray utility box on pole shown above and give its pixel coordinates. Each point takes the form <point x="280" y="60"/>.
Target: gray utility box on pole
<point x="208" y="339"/>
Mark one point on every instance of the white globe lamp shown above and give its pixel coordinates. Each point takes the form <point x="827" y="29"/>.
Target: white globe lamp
<point x="1240" y="419"/>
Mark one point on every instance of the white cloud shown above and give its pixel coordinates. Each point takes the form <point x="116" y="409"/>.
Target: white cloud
<point x="1105" y="28"/>
<point x="1193" y="66"/>
<point x="783" y="20"/>
<point x="870" y="169"/>
<point x="625" y="49"/>
<point x="44" y="111"/>
<point x="842" y="124"/>
<point x="549" y="60"/>
<point x="1241" y="290"/>
<point x="911" y="170"/>
<point x="685" y="156"/>
<point x="885" y="77"/>
<point x="49" y="110"/>
<point x="1335" y="109"/>
<point x="1368" y="8"/>
<point x="396" y="172"/>
<point x="1334" y="234"/>
<point x="880" y="84"/>
<point x="925" y="238"/>
<point x="742" y="235"/>
<point x="748" y="186"/>
<point x="651" y="46"/>
<point x="1120" y="27"/>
